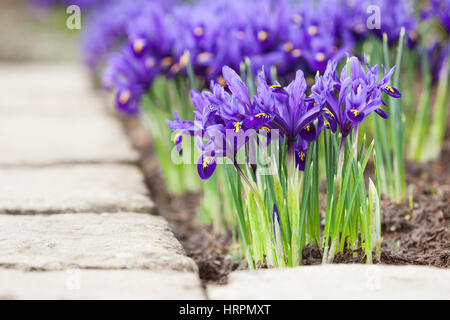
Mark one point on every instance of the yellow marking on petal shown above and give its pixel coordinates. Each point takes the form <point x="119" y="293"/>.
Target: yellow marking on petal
<point x="184" y="59"/>
<point x="262" y="35"/>
<point x="265" y="128"/>
<point x="275" y="86"/>
<point x="359" y="28"/>
<point x="320" y="56"/>
<point x="176" y="137"/>
<point x="175" y="68"/>
<point x="138" y="45"/>
<point x="315" y="103"/>
<point x="205" y="161"/>
<point x="166" y="62"/>
<point x="240" y="35"/>
<point x="413" y="35"/>
<point x="221" y="81"/>
<point x="329" y="112"/>
<point x="125" y="96"/>
<point x="390" y="89"/>
<point x="210" y="106"/>
<point x="355" y="112"/>
<point x="238" y="126"/>
<point x="288" y="46"/>
<point x="327" y="123"/>
<point x="198" y="31"/>
<point x="150" y="62"/>
<point x="297" y="18"/>
<point x="302" y="156"/>
<point x="296" y="53"/>
<point x="307" y="127"/>
<point x="262" y="114"/>
<point x="312" y="30"/>
<point x="204" y="56"/>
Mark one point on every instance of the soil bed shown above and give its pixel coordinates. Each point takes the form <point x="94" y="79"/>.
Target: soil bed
<point x="416" y="234"/>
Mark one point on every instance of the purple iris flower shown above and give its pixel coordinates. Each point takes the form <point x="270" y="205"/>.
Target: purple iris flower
<point x="218" y="113"/>
<point x="150" y="31"/>
<point x="181" y="127"/>
<point x="207" y="127"/>
<point x="394" y="16"/>
<point x="206" y="119"/>
<point x="357" y="10"/>
<point x="350" y="98"/>
<point x="221" y="33"/>
<point x="201" y="35"/>
<point x="300" y="154"/>
<point x="316" y="33"/>
<point x="102" y="34"/>
<point x="285" y="35"/>
<point x="438" y="53"/>
<point x="235" y="112"/>
<point x="108" y="26"/>
<point x="439" y="9"/>
<point x="291" y="111"/>
<point x="147" y="55"/>
<point x="131" y="77"/>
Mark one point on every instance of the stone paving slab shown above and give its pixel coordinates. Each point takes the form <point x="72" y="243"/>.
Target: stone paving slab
<point x="37" y="140"/>
<point x="337" y="282"/>
<point x="73" y="188"/>
<point x="26" y="35"/>
<point x="44" y="76"/>
<point x="90" y="241"/>
<point x="47" y="88"/>
<point x="61" y="103"/>
<point x="100" y="284"/>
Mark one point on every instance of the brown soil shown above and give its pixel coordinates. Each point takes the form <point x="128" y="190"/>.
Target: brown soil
<point x="419" y="234"/>
<point x="416" y="235"/>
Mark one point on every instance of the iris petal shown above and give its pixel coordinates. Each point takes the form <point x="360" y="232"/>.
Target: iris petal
<point x="393" y="92"/>
<point x="127" y="102"/>
<point x="206" y="166"/>
<point x="237" y="87"/>
<point x="300" y="158"/>
<point x="308" y="133"/>
<point x="330" y="121"/>
<point x="257" y="121"/>
<point x="355" y="116"/>
<point x="382" y="113"/>
<point x="178" y="140"/>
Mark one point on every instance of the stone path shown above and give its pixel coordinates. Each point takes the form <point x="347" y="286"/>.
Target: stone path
<point x="337" y="282"/>
<point x="75" y="217"/>
<point x="73" y="188"/>
<point x="100" y="284"/>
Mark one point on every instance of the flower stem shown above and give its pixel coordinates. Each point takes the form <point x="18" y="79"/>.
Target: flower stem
<point x="290" y="158"/>
<point x="341" y="160"/>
